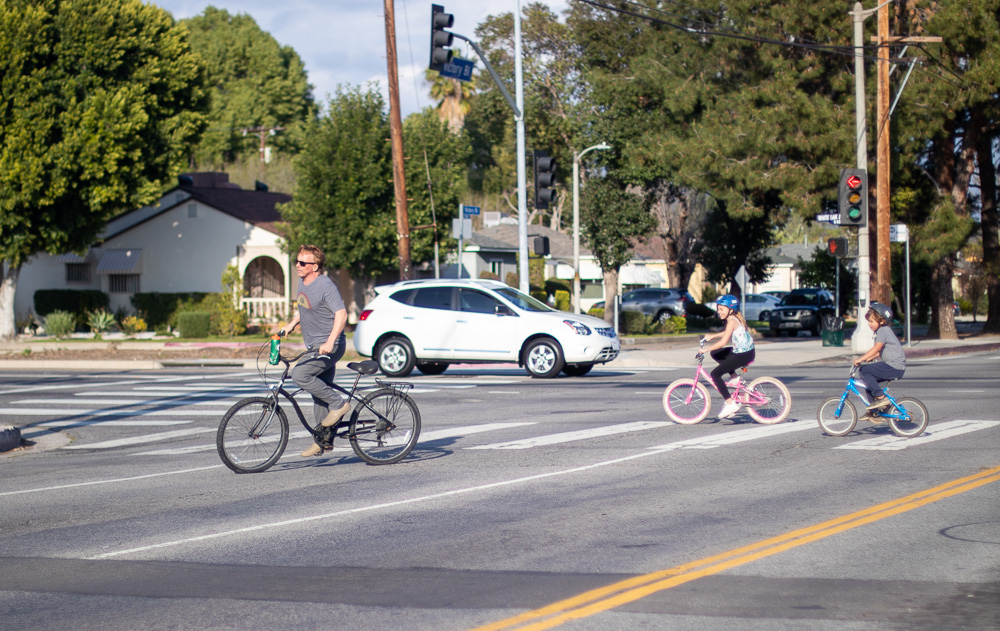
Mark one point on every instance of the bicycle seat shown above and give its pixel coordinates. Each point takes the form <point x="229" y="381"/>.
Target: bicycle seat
<point x="366" y="367"/>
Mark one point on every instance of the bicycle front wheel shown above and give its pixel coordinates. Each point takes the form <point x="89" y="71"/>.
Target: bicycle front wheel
<point x="770" y="401"/>
<point x="833" y="423"/>
<point x="384" y="427"/>
<point x="686" y="401"/>
<point x="252" y="435"/>
<point x="916" y="419"/>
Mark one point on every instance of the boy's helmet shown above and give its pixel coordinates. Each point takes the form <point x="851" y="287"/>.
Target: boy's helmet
<point x="730" y="301"/>
<point x="882" y="310"/>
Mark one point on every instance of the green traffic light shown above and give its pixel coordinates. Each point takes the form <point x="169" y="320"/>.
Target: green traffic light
<point x="854" y="213"/>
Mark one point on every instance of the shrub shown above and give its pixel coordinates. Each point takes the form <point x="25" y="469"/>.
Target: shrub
<point x="78" y="302"/>
<point x="194" y="324"/>
<point x="562" y="300"/>
<point x="100" y="321"/>
<point x="671" y="326"/>
<point x="161" y="309"/>
<point x="538" y="295"/>
<point x="553" y="285"/>
<point x="60" y="323"/>
<point x="596" y="312"/>
<point x="634" y="322"/>
<point x="489" y="275"/>
<point x="132" y="325"/>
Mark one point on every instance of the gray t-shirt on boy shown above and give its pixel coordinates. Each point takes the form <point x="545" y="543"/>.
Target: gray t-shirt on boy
<point x="892" y="353"/>
<point x="318" y="302"/>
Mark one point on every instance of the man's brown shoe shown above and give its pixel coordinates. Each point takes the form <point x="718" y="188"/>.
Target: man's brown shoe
<point x="313" y="450"/>
<point x="879" y="403"/>
<point x="335" y="415"/>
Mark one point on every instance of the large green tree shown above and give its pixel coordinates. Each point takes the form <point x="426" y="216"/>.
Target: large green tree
<point x="255" y="83"/>
<point x="98" y="99"/>
<point x="345" y="202"/>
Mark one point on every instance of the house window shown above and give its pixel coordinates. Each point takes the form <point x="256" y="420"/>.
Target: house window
<point x="77" y="272"/>
<point x="496" y="266"/>
<point x="192" y="211"/>
<point x="123" y="283"/>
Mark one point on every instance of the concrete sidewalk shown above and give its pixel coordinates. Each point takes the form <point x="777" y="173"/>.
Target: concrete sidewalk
<point x="791" y="351"/>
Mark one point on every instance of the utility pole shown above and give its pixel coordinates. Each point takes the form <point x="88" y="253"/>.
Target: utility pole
<point x="262" y="133"/>
<point x="881" y="289"/>
<point x="396" y="132"/>
<point x="859" y="341"/>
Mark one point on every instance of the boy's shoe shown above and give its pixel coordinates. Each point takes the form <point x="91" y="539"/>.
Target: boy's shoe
<point x="335" y="415"/>
<point x="879" y="403"/>
<point x="313" y="450"/>
<point x="871" y="418"/>
<point x="729" y="409"/>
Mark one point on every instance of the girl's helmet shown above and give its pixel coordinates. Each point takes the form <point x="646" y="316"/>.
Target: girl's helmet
<point x="882" y="310"/>
<point x="730" y="301"/>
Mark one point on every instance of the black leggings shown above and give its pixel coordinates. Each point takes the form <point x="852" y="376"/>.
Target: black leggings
<point x="729" y="362"/>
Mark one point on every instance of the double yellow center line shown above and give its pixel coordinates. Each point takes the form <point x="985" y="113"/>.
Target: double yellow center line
<point x="605" y="598"/>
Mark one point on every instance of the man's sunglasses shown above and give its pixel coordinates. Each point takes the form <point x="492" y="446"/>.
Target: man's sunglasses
<point x="304" y="263"/>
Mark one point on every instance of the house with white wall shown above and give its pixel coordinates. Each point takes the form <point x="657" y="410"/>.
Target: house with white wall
<point x="182" y="243"/>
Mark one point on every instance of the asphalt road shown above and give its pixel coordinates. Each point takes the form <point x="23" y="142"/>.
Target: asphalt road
<point x="573" y="494"/>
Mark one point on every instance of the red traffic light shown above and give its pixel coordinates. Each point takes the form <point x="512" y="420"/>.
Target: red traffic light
<point x="853" y="181"/>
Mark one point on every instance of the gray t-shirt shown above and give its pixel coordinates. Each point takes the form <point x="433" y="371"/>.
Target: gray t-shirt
<point x="892" y="352"/>
<point x="318" y="302"/>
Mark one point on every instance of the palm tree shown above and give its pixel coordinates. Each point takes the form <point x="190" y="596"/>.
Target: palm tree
<point x="454" y="98"/>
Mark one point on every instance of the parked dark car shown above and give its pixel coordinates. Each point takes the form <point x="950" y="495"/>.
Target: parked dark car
<point x="802" y="310"/>
<point x="659" y="304"/>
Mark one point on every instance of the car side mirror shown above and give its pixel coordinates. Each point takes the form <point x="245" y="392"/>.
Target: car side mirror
<point x="503" y="310"/>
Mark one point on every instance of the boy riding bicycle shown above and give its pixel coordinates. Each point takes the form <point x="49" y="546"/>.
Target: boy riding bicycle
<point x="889" y="350"/>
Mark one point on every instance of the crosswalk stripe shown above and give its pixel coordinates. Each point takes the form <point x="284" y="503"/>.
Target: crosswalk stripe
<point x="739" y="436"/>
<point x="935" y="431"/>
<point x="166" y="402"/>
<point x="106" y="423"/>
<point x="145" y="438"/>
<point x="99" y="412"/>
<point x="565" y="437"/>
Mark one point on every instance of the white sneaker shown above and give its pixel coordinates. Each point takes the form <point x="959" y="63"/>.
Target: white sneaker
<point x="729" y="409"/>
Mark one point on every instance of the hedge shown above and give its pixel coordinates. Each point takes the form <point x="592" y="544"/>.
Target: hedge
<point x="78" y="302"/>
<point x="194" y="324"/>
<point x="159" y="309"/>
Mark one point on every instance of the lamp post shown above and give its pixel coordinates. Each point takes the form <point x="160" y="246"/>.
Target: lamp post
<point x="576" y="222"/>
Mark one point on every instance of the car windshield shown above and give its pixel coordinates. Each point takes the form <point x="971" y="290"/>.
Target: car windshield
<point x="800" y="300"/>
<point x="522" y="301"/>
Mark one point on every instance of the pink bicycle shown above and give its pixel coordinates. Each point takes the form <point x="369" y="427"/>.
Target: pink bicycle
<point x="687" y="401"/>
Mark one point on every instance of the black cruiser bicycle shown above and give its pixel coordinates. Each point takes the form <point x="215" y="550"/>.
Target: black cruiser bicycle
<point x="382" y="428"/>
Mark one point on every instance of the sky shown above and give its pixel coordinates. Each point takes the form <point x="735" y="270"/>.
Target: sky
<point x="343" y="41"/>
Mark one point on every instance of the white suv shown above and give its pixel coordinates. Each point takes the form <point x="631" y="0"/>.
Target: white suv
<point x="429" y="324"/>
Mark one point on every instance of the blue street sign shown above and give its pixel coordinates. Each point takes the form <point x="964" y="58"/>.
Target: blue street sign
<point x="470" y="210"/>
<point x="832" y="218"/>
<point x="458" y="68"/>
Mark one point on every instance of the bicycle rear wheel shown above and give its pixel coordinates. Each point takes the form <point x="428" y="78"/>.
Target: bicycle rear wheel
<point x="679" y="408"/>
<point x="777" y="401"/>
<point x="834" y="424"/>
<point x="252" y="435"/>
<point x="916" y="419"/>
<point x="384" y="427"/>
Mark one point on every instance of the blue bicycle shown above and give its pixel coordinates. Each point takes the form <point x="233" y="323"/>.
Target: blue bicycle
<point x="907" y="417"/>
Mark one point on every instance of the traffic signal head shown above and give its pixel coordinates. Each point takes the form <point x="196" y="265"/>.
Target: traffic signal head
<point x="852" y="197"/>
<point x="541" y="246"/>
<point x="545" y="180"/>
<point x="440" y="38"/>
<point x="837" y="246"/>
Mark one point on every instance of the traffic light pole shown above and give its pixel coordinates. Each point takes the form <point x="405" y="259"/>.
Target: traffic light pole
<point x="861" y="340"/>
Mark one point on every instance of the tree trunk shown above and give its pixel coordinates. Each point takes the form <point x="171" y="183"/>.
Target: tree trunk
<point x="991" y="231"/>
<point x="8" y="320"/>
<point x="610" y="295"/>
<point x="942" y="298"/>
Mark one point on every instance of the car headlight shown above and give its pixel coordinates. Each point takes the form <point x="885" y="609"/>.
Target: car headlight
<point x="579" y="327"/>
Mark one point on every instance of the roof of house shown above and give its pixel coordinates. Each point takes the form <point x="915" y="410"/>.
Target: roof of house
<point x="257" y="207"/>
<point x="790" y="253"/>
<point x="504" y="238"/>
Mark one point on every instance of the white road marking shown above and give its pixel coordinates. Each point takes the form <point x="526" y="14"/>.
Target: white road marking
<point x="145" y="438"/>
<point x="458" y="432"/>
<point x="565" y="437"/>
<point x="164" y="402"/>
<point x="738" y="436"/>
<point x="935" y="431"/>
<point x="108" y="423"/>
<point x="103" y="412"/>
<point x="112" y="481"/>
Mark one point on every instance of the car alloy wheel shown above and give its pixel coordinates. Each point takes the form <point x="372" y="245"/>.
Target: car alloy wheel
<point x="395" y="357"/>
<point x="543" y="358"/>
